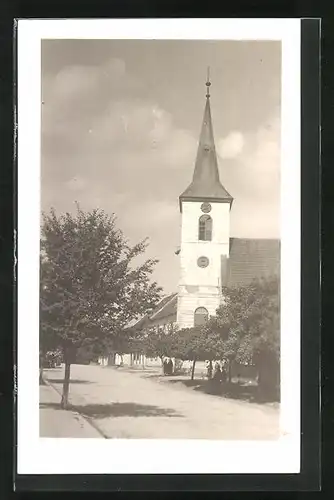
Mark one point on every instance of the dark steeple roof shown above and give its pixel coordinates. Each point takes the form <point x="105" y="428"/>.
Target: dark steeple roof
<point x="206" y="183"/>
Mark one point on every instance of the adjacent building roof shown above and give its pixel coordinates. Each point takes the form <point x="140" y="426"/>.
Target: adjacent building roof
<point x="206" y="184"/>
<point x="166" y="307"/>
<point x="249" y="259"/>
<point x="252" y="258"/>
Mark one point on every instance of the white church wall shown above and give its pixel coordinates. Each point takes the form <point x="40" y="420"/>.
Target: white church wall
<point x="192" y="248"/>
<point x="187" y="305"/>
<point x="220" y="214"/>
<point x="198" y="286"/>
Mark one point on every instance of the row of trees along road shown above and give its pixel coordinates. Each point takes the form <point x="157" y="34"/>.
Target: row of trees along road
<point x="246" y="329"/>
<point x="90" y="287"/>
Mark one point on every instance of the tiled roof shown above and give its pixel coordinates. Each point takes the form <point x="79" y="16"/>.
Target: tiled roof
<point x="137" y="323"/>
<point x="158" y="312"/>
<point x="168" y="308"/>
<point x="252" y="258"/>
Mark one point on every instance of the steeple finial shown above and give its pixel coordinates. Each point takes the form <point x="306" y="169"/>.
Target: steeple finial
<point x="206" y="184"/>
<point x="208" y="83"/>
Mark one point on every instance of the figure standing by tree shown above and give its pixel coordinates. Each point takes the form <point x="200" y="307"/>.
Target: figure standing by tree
<point x="217" y="373"/>
<point x="170" y="367"/>
<point x="209" y="369"/>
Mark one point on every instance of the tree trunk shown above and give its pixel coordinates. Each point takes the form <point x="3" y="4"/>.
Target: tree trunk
<point x="41" y="363"/>
<point x="229" y="371"/>
<point x="112" y="359"/>
<point x="66" y="385"/>
<point x="268" y="377"/>
<point x="193" y="369"/>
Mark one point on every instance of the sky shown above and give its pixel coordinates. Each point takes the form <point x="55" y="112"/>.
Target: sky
<point x="120" y="127"/>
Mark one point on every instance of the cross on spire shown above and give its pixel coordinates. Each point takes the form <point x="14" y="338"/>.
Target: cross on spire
<point x="208" y="83"/>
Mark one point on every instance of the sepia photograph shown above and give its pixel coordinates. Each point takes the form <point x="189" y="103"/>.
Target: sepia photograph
<point x="160" y="239"/>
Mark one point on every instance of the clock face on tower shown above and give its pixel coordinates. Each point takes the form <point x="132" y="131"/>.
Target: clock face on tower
<point x="203" y="262"/>
<point x="206" y="208"/>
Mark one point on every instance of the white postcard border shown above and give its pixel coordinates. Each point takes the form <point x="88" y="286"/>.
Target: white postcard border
<point x="83" y="456"/>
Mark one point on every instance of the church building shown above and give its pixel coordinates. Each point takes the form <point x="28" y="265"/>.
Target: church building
<point x="209" y="257"/>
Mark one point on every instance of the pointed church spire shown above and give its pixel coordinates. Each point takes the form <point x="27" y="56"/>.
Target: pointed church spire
<point x="206" y="184"/>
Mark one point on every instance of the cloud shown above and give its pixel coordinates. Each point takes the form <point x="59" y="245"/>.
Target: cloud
<point x="158" y="220"/>
<point x="147" y="129"/>
<point x="149" y="217"/>
<point x="180" y="149"/>
<point x="75" y="82"/>
<point x="231" y="146"/>
<point x="87" y="112"/>
<point x="76" y="184"/>
<point x="131" y="123"/>
<point x="77" y="93"/>
<point x="261" y="163"/>
<point x="109" y="144"/>
<point x="120" y="146"/>
<point x="253" y="179"/>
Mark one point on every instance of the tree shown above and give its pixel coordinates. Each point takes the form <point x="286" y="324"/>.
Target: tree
<point x="156" y="341"/>
<point x="248" y="323"/>
<point x="89" y="287"/>
<point x="197" y="344"/>
<point x="189" y="347"/>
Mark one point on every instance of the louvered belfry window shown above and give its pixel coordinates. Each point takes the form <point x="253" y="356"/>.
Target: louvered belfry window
<point x="205" y="228"/>
<point x="201" y="316"/>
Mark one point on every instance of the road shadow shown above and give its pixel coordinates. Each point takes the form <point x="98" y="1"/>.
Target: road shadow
<point x="147" y="371"/>
<point x="175" y="377"/>
<point x="72" y="381"/>
<point x="50" y="406"/>
<point x="117" y="410"/>
<point x="243" y="392"/>
<point x="195" y="384"/>
<point x="154" y="375"/>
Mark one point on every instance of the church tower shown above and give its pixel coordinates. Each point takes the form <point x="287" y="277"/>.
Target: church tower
<point x="205" y="233"/>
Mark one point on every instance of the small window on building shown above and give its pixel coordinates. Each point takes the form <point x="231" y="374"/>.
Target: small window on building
<point x="205" y="228"/>
<point x="201" y="316"/>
